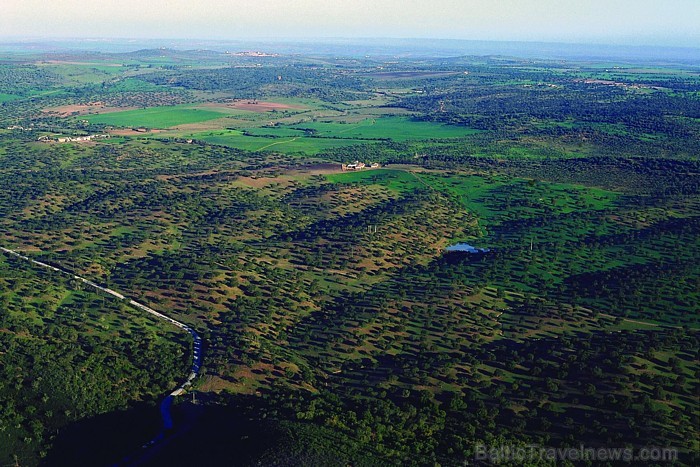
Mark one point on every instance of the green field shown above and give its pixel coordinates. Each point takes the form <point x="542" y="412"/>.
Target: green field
<point x="156" y="117"/>
<point x="394" y="128"/>
<point x="287" y="144"/>
<point x="135" y="85"/>
<point x="8" y="97"/>
<point x="480" y="193"/>
<point x="85" y="73"/>
<point x="395" y="180"/>
<point x="315" y="137"/>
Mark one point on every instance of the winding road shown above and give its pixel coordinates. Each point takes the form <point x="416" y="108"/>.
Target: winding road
<point x="197" y="348"/>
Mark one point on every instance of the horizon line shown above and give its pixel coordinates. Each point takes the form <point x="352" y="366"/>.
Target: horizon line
<point x="320" y="39"/>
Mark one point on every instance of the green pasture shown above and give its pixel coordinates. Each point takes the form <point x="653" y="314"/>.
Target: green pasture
<point x="481" y="194"/>
<point x="8" y="97"/>
<point x="288" y="143"/>
<point x="85" y="73"/>
<point x="155" y="117"/>
<point x="395" y="180"/>
<point x="501" y="203"/>
<point x="135" y="85"/>
<point x="394" y="128"/>
<point x="484" y="194"/>
<point x="315" y="137"/>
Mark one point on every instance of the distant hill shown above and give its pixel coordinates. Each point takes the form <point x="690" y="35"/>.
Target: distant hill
<point x="373" y="47"/>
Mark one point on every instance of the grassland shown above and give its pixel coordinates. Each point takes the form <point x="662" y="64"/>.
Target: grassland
<point x="286" y="144"/>
<point x="483" y="193"/>
<point x="81" y="74"/>
<point x="314" y="137"/>
<point x="134" y="85"/>
<point x="8" y="97"/>
<point x="392" y="128"/>
<point x="400" y="181"/>
<point x="157" y="117"/>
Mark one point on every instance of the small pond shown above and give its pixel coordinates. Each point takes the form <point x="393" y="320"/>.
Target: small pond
<point x="466" y="248"/>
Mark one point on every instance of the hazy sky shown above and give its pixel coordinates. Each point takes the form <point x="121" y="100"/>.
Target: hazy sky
<point x="637" y="22"/>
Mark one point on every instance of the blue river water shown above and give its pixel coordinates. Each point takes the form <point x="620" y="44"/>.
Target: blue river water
<point x="165" y="413"/>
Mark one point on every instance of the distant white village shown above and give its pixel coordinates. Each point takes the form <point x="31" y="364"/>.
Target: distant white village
<point x="60" y="139"/>
<point x="357" y="165"/>
<point x="73" y="139"/>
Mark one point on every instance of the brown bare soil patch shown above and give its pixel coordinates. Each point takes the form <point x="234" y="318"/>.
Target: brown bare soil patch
<point x="316" y="169"/>
<point x="91" y="108"/>
<point x="256" y="182"/>
<point x="214" y="384"/>
<point x="254" y="106"/>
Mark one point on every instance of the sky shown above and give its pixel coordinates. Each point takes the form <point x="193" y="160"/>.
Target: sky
<point x="630" y="22"/>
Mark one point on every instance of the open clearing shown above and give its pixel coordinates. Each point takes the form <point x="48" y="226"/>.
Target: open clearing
<point x="156" y="117"/>
<point x="236" y="139"/>
<point x="394" y="128"/>
<point x="310" y="137"/>
<point x="8" y="97"/>
<point x="313" y="137"/>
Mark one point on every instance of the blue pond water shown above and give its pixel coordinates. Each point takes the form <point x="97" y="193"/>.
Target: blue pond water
<point x="466" y="248"/>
